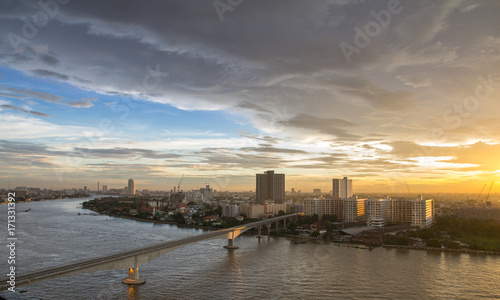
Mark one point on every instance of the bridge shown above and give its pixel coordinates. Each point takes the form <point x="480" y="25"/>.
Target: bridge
<point x="133" y="259"/>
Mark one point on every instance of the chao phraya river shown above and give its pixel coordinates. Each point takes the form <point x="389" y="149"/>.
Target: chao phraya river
<point x="53" y="234"/>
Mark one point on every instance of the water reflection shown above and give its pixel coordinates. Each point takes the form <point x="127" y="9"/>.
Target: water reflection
<point x="270" y="268"/>
<point x="133" y="292"/>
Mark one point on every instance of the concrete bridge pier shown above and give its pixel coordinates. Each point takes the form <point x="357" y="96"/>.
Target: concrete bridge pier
<point x="268" y="230"/>
<point x="230" y="241"/>
<point x="133" y="275"/>
<point x="230" y="244"/>
<point x="259" y="228"/>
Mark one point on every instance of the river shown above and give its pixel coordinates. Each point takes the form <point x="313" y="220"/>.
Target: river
<point x="53" y="234"/>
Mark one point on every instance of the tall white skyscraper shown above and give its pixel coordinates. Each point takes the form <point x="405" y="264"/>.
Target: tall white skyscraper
<point x="131" y="187"/>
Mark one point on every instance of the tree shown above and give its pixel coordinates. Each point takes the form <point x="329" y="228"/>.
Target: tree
<point x="281" y="213"/>
<point x="293" y="226"/>
<point x="315" y="218"/>
<point x="452" y="245"/>
<point x="315" y="233"/>
<point x="403" y="240"/>
<point x="179" y="218"/>
<point x="434" y="243"/>
<point x="331" y="218"/>
<point x="328" y="226"/>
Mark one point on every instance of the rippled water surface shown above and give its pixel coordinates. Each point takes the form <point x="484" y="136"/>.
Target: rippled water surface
<point x="53" y="234"/>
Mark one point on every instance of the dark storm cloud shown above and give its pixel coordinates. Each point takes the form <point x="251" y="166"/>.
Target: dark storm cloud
<point x="277" y="63"/>
<point x="49" y="59"/>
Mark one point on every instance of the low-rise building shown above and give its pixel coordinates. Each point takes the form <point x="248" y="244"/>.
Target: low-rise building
<point x="273" y="209"/>
<point x="256" y="211"/>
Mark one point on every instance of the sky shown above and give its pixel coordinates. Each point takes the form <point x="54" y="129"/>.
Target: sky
<point x="389" y="93"/>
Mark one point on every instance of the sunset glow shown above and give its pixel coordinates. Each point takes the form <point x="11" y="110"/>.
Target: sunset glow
<point x="104" y="94"/>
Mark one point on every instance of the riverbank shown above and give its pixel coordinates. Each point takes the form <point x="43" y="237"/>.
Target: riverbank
<point x="157" y="221"/>
<point x="442" y="249"/>
<point x="198" y="227"/>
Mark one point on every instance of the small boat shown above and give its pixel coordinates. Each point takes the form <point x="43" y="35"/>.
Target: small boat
<point x="27" y="210"/>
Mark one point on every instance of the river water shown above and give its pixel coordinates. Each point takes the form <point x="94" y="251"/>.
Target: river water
<point x="53" y="234"/>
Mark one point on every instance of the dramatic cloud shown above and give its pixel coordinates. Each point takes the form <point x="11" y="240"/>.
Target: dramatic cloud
<point x="266" y="85"/>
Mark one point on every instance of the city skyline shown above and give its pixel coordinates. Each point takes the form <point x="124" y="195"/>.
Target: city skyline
<point x="396" y="94"/>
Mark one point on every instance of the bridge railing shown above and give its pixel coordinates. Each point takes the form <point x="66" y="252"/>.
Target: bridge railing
<point x="73" y="268"/>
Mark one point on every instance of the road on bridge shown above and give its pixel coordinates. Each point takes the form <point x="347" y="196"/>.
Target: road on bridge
<point x="129" y="259"/>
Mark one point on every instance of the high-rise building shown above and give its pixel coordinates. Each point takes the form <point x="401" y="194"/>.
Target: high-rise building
<point x="417" y="212"/>
<point x="377" y="212"/>
<point x="206" y="193"/>
<point x="319" y="206"/>
<point x="421" y="212"/>
<point x="230" y="210"/>
<point x="105" y="188"/>
<point x="338" y="208"/>
<point x="313" y="207"/>
<point x="354" y="209"/>
<point x="399" y="210"/>
<point x="270" y="186"/>
<point x="131" y="187"/>
<point x="342" y="188"/>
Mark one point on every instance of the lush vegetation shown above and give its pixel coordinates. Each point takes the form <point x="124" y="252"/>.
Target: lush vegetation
<point x="478" y="234"/>
<point x="121" y="206"/>
<point x="397" y="240"/>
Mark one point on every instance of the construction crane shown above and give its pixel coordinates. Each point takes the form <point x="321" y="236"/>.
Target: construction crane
<point x="180" y="182"/>
<point x="409" y="195"/>
<point x="488" y="196"/>
<point x="479" y="195"/>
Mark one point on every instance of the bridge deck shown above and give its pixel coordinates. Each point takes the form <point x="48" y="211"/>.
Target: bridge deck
<point x="59" y="271"/>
